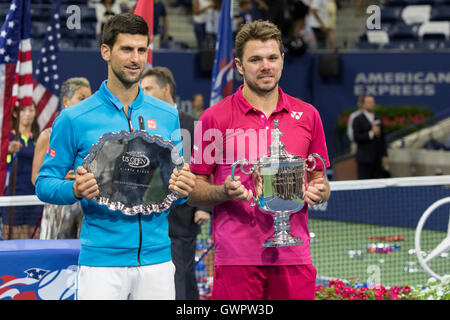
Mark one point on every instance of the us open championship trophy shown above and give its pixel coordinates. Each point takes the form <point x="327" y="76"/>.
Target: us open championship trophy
<point x="279" y="180"/>
<point x="132" y="170"/>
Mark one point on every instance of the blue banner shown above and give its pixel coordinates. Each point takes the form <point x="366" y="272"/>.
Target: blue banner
<point x="222" y="74"/>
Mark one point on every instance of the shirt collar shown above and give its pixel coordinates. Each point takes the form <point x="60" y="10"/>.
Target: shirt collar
<point x="116" y="102"/>
<point x="283" y="103"/>
<point x="370" y="116"/>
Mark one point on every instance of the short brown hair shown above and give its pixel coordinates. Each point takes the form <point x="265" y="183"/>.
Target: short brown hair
<point x="163" y="77"/>
<point x="257" y="30"/>
<point x="123" y="23"/>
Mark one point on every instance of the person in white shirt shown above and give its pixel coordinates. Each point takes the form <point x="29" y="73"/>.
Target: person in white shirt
<point x="199" y="16"/>
<point x="212" y="24"/>
<point x="318" y="19"/>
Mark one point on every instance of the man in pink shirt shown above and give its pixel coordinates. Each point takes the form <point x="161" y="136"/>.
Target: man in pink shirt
<point x="240" y="127"/>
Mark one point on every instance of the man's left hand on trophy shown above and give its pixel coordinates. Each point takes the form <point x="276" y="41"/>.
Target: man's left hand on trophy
<point x="316" y="192"/>
<point x="182" y="181"/>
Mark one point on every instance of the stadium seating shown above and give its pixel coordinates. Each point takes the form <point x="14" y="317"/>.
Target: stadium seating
<point x="83" y="37"/>
<point x="38" y="29"/>
<point x="416" y="14"/>
<point x="440" y="13"/>
<point x="390" y="15"/>
<point x="410" y="25"/>
<point x="400" y="32"/>
<point x="379" y="37"/>
<point x="435" y="30"/>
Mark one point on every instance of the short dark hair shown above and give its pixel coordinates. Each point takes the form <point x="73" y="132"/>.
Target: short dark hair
<point x="123" y="23"/>
<point x="257" y="30"/>
<point x="362" y="99"/>
<point x="163" y="77"/>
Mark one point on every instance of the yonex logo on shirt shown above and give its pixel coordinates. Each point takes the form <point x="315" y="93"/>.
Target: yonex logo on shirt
<point x="296" y="115"/>
<point x="51" y="152"/>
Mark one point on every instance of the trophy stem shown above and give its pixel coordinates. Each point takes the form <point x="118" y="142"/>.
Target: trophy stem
<point x="281" y="236"/>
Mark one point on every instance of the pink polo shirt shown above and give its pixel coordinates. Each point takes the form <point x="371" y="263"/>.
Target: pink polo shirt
<point x="232" y="130"/>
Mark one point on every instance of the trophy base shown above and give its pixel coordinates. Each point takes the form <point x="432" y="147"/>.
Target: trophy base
<point x="282" y="239"/>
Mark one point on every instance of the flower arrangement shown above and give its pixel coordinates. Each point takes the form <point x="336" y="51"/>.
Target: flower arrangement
<point x="353" y="290"/>
<point x="338" y="290"/>
<point x="393" y="117"/>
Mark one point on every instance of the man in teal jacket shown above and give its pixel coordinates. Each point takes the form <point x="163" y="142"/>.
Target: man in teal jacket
<point x="122" y="256"/>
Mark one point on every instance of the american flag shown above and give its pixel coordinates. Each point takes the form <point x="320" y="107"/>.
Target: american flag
<point x="222" y="74"/>
<point x="144" y="8"/>
<point x="46" y="82"/>
<point x="16" y="88"/>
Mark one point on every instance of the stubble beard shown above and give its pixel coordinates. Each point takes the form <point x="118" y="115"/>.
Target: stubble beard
<point x="127" y="82"/>
<point x="261" y="91"/>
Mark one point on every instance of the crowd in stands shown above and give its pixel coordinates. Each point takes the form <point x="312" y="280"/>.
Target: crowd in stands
<point x="302" y="22"/>
<point x="401" y="24"/>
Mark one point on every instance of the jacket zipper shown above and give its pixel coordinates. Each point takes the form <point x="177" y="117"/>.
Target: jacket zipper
<point x="139" y="214"/>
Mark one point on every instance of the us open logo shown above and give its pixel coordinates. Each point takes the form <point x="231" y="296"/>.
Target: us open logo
<point x="136" y="159"/>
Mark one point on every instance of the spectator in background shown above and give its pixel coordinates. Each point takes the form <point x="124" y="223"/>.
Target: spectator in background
<point x="293" y="36"/>
<point x="123" y="6"/>
<point x="61" y="222"/>
<point x="249" y="11"/>
<point x="184" y="220"/>
<point x="332" y="15"/>
<point x="25" y="221"/>
<point x="260" y="9"/>
<point x="160" y="32"/>
<point x="104" y="10"/>
<point x="246" y="14"/>
<point x="318" y="15"/>
<point x="197" y="105"/>
<point x="199" y="17"/>
<point x="299" y="12"/>
<point x="371" y="153"/>
<point x="273" y="10"/>
<point x="212" y="24"/>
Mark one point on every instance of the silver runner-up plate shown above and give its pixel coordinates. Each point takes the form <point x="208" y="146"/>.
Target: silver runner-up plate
<point x="132" y="170"/>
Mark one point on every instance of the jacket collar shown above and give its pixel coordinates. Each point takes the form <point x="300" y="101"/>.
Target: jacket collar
<point x="110" y="97"/>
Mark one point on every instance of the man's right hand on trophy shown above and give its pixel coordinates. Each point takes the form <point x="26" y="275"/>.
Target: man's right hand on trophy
<point x="182" y="181"/>
<point x="85" y="185"/>
<point x="235" y="190"/>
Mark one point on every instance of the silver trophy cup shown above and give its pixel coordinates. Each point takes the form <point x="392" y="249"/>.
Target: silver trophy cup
<point x="279" y="180"/>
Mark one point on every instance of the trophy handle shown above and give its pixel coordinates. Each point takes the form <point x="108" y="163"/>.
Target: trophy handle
<point x="312" y="158"/>
<point x="243" y="162"/>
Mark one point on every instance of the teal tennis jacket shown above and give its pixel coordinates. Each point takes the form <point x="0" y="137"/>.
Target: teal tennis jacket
<point x="108" y="238"/>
